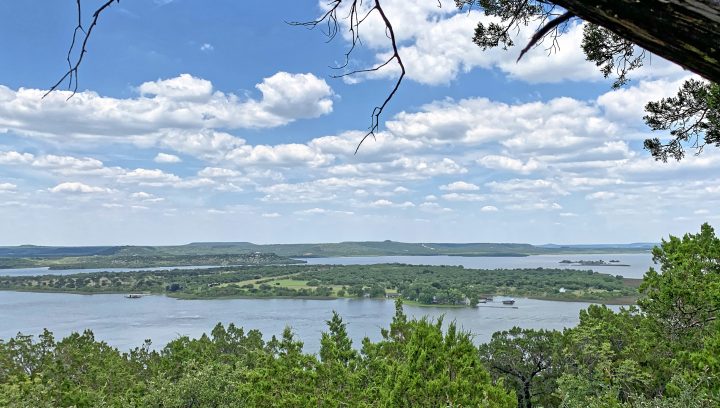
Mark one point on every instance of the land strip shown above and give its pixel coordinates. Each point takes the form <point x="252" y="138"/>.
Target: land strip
<point x="425" y="284"/>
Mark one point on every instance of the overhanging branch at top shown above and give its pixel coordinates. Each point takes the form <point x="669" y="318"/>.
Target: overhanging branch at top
<point x="684" y="32"/>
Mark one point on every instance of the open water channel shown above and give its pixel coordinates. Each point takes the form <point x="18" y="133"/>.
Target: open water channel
<point x="126" y="323"/>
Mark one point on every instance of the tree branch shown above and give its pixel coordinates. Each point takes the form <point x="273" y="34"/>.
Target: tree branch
<point x="72" y="73"/>
<point x="355" y="20"/>
<point x="378" y="110"/>
<point x="681" y="31"/>
<point x="539" y="34"/>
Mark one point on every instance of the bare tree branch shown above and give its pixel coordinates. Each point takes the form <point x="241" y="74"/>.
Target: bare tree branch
<point x="541" y="33"/>
<point x="72" y="73"/>
<point x="375" y="120"/>
<point x="355" y="20"/>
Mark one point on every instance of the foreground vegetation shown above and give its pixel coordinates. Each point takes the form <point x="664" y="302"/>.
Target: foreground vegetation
<point x="415" y="364"/>
<point x="663" y="353"/>
<point x="450" y="285"/>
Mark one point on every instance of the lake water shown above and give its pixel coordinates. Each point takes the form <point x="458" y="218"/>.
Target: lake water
<point x="638" y="263"/>
<point x="48" y="271"/>
<point x="126" y="323"/>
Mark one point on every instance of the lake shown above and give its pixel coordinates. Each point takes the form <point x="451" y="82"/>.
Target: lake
<point x="639" y="263"/>
<point x="126" y="323"/>
<point x="47" y="271"/>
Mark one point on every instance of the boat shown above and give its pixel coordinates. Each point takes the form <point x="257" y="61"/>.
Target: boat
<point x="133" y="296"/>
<point x="508" y="302"/>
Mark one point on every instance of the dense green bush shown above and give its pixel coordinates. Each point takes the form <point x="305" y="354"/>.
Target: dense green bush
<point x="415" y="365"/>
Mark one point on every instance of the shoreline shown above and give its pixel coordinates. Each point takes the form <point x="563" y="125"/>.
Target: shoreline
<point x="300" y="258"/>
<point x="619" y="301"/>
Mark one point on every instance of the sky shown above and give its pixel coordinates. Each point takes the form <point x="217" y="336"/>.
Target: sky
<point x="224" y="123"/>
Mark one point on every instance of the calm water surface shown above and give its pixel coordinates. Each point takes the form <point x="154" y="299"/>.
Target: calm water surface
<point x="126" y="323"/>
<point x="638" y="263"/>
<point x="47" y="271"/>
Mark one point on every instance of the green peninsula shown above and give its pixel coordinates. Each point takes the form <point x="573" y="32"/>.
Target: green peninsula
<point x="424" y="284"/>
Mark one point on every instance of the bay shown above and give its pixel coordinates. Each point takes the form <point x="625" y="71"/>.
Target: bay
<point x="126" y="323"/>
<point x="638" y="263"/>
<point x="47" y="271"/>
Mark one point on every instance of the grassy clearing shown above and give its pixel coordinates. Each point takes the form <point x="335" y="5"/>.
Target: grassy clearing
<point x="259" y="281"/>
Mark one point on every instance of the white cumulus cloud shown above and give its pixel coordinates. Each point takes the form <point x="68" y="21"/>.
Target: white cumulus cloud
<point x="460" y="186"/>
<point x="76" y="187"/>
<point x="182" y="102"/>
<point x="5" y="187"/>
<point x="167" y="158"/>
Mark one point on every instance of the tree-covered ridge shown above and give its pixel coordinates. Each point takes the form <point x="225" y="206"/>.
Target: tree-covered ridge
<point x="663" y="353"/>
<point x="453" y="285"/>
<point x="159" y="260"/>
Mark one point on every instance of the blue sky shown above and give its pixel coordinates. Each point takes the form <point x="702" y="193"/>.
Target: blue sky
<point x="223" y="123"/>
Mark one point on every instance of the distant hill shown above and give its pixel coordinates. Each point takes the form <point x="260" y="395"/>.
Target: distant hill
<point x="32" y="251"/>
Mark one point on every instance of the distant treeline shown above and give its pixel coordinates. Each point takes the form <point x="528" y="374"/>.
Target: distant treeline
<point x="145" y="261"/>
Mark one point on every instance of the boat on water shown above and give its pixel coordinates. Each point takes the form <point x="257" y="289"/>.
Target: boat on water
<point x="133" y="296"/>
<point x="508" y="302"/>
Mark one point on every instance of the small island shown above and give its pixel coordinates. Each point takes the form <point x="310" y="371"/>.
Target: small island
<point x="613" y="262"/>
